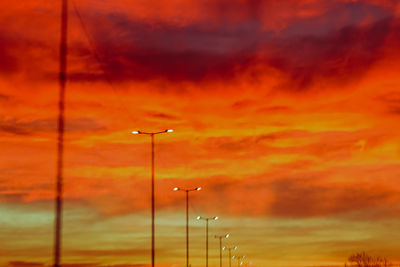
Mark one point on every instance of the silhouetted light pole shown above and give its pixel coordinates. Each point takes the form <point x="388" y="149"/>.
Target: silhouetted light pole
<point x="152" y="185"/>
<point x="220" y="247"/>
<point x="187" y="218"/>
<point x="230" y="255"/>
<point x="207" y="219"/>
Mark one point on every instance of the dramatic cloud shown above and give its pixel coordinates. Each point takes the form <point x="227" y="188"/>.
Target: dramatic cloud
<point x="197" y="53"/>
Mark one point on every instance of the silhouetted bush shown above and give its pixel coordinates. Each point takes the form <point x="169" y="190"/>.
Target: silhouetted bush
<point x="362" y="259"/>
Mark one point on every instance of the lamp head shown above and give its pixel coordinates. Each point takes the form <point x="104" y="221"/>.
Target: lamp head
<point x="176" y="188"/>
<point x="227" y="236"/>
<point x="215" y="218"/>
<point x="198" y="188"/>
<point x="235" y="247"/>
<point x="198" y="217"/>
<point x="169" y="131"/>
<point x="135" y="132"/>
<point x="224" y="248"/>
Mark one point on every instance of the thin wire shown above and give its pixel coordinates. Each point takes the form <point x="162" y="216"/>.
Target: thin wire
<point x="102" y="66"/>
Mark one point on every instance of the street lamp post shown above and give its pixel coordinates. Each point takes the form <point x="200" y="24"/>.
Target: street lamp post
<point x="187" y="218"/>
<point x="239" y="259"/>
<point x="152" y="134"/>
<point x="230" y="255"/>
<point x="220" y="247"/>
<point x="207" y="219"/>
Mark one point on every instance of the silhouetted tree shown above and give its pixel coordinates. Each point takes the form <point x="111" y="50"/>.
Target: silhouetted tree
<point x="362" y="259"/>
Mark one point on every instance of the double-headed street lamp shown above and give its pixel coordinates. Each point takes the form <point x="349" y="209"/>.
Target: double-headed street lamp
<point x="207" y="219"/>
<point x="239" y="259"/>
<point x="220" y="246"/>
<point x="187" y="218"/>
<point x="152" y="185"/>
<point x="230" y="255"/>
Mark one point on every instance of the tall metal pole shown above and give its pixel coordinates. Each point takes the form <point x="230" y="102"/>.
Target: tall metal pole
<point x="60" y="139"/>
<point x="152" y="200"/>
<point x="220" y="246"/>
<point x="151" y="134"/>
<point x="207" y="219"/>
<point x="230" y="253"/>
<point x="207" y="242"/>
<point x="187" y="228"/>
<point x="187" y="191"/>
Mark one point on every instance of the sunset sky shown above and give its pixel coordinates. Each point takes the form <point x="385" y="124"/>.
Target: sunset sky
<point x="285" y="112"/>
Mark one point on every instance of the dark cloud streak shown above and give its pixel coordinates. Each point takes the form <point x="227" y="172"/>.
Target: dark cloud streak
<point x="48" y="125"/>
<point x="304" y="198"/>
<point x="199" y="54"/>
<point x="8" y="62"/>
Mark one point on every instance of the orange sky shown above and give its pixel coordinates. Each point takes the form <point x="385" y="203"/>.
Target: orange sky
<point x="285" y="113"/>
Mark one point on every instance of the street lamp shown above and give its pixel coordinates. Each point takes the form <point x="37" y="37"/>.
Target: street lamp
<point x="220" y="246"/>
<point x="152" y="185"/>
<point x="239" y="258"/>
<point x="187" y="218"/>
<point x="229" y="249"/>
<point x="207" y="219"/>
